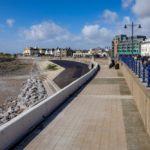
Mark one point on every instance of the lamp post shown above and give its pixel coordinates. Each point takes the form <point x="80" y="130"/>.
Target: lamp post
<point x="132" y="30"/>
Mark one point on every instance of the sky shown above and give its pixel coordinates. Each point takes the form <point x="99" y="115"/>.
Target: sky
<point x="79" y="24"/>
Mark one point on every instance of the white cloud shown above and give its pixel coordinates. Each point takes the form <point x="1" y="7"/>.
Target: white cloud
<point x="141" y="15"/>
<point x="126" y="20"/>
<point x="94" y="31"/>
<point x="96" y="35"/>
<point x="110" y="16"/>
<point x="119" y="26"/>
<point x="49" y="33"/>
<point x="43" y="31"/>
<point x="10" y="22"/>
<point x="126" y="3"/>
<point x="141" y="8"/>
<point x="145" y="23"/>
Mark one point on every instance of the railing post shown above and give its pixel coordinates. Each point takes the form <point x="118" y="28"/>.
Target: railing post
<point x="133" y="65"/>
<point x="148" y="76"/>
<point x="136" y="67"/>
<point x="130" y="63"/>
<point x="139" y="69"/>
<point x="143" y="72"/>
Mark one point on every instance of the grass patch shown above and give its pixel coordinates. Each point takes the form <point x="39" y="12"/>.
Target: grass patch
<point x="11" y="67"/>
<point x="6" y="57"/>
<point x="51" y="67"/>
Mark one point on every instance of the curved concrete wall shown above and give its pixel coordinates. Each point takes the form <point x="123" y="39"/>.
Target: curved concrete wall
<point x="14" y="130"/>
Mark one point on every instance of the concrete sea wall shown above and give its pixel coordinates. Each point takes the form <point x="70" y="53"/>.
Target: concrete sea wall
<point x="15" y="129"/>
<point x="140" y="93"/>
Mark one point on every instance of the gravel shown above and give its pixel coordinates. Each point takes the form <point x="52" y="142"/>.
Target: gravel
<point x="31" y="93"/>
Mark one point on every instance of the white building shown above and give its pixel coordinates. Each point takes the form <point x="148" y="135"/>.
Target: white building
<point x="49" y="52"/>
<point x="103" y="54"/>
<point x="80" y="53"/>
<point x="145" y="48"/>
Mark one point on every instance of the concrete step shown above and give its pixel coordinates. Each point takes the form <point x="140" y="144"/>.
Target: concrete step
<point x="48" y="88"/>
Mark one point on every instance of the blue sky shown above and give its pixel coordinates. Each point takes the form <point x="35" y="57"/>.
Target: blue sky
<point x="67" y="23"/>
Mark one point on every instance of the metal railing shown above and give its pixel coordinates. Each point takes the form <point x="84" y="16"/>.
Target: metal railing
<point x="140" y="69"/>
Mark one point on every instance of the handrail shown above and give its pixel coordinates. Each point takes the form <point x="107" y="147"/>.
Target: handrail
<point x="140" y="69"/>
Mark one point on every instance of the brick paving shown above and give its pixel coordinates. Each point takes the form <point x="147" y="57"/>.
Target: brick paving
<point x="103" y="116"/>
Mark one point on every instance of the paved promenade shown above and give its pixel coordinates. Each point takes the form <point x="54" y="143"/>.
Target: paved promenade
<point x="103" y="116"/>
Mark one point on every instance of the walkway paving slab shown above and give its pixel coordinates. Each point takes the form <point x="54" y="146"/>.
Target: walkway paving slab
<point x="102" y="116"/>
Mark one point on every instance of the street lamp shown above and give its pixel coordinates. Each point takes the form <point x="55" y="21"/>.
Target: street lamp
<point x="132" y="28"/>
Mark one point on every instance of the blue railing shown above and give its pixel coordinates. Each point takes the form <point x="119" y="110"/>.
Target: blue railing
<point x="140" y="69"/>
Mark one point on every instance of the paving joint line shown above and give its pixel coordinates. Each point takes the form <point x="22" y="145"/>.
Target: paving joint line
<point x="110" y="96"/>
<point x="109" y="78"/>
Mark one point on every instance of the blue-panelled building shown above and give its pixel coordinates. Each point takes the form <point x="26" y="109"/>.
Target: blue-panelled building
<point x="122" y="45"/>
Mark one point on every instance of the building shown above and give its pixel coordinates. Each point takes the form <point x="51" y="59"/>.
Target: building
<point x="49" y="52"/>
<point x="40" y="52"/>
<point x="98" y="52"/>
<point x="81" y="53"/>
<point x="54" y="52"/>
<point x="122" y="45"/>
<point x="60" y="52"/>
<point x="115" y="43"/>
<point x="69" y="52"/>
<point x="31" y="51"/>
<point x="145" y="48"/>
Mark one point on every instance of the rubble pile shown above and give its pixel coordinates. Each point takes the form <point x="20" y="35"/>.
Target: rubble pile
<point x="32" y="93"/>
